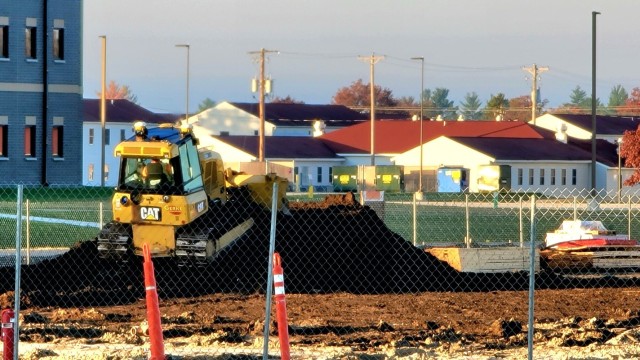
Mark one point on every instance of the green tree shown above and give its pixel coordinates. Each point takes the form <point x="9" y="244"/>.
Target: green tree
<point x="618" y="96"/>
<point x="443" y="106"/>
<point x="497" y="105"/>
<point x="207" y="103"/>
<point x="359" y="94"/>
<point x="578" y="97"/>
<point x="470" y="107"/>
<point x="579" y="102"/>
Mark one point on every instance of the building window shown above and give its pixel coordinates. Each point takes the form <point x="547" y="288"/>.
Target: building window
<point x="4" y="41"/>
<point x="563" y="177"/>
<point x="90" y="173"/>
<point x="107" y="136"/>
<point x="58" y="44"/>
<point x="224" y="133"/>
<point x="30" y="141"/>
<point x="106" y="172"/>
<point x="330" y="173"/>
<point x="123" y="134"/>
<point x="520" y="175"/>
<point x="541" y="176"/>
<point x="57" y="136"/>
<point x="552" y="179"/>
<point x="4" y="129"/>
<point x="255" y="132"/>
<point x="574" y="176"/>
<point x="319" y="179"/>
<point x="30" y="42"/>
<point x="91" y="136"/>
<point x="531" y="174"/>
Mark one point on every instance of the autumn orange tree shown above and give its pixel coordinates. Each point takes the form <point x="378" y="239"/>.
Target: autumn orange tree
<point x="115" y="91"/>
<point x="359" y="94"/>
<point x="519" y="109"/>
<point x="630" y="152"/>
<point x="632" y="103"/>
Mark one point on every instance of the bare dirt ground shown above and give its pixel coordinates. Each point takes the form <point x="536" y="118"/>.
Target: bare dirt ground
<point x="354" y="291"/>
<point x="448" y="324"/>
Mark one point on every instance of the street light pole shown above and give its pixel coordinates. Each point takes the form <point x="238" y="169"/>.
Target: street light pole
<point x="593" y="103"/>
<point x="186" y="113"/>
<point x="421" y="58"/>
<point x="103" y="107"/>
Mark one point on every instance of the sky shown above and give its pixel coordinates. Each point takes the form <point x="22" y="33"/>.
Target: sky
<point x="468" y="46"/>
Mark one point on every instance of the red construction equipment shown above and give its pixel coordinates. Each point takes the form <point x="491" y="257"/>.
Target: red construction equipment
<point x="153" y="308"/>
<point x="8" y="325"/>
<point x="281" y="307"/>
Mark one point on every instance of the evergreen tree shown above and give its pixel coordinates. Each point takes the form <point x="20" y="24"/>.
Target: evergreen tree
<point x="470" y="107"/>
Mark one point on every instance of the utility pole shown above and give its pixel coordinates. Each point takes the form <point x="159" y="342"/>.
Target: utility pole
<point x="262" y="82"/>
<point x="534" y="71"/>
<point x="372" y="61"/>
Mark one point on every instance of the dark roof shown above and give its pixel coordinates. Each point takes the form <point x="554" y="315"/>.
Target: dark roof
<point x="304" y="114"/>
<point x="398" y="136"/>
<point x="605" y="125"/>
<point x="606" y="152"/>
<point x="122" y="110"/>
<point x="539" y="149"/>
<point x="282" y="147"/>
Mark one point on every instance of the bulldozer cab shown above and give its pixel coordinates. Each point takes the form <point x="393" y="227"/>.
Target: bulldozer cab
<point x="147" y="173"/>
<point x="164" y="164"/>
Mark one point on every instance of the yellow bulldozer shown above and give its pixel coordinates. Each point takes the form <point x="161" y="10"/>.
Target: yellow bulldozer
<point x="178" y="198"/>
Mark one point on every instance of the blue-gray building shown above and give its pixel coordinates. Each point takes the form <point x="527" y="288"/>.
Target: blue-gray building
<point x="41" y="92"/>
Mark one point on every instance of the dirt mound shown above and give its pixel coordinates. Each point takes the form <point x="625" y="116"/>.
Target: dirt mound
<point x="334" y="246"/>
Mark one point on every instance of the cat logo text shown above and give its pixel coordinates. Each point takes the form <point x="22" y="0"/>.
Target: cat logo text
<point x="150" y="213"/>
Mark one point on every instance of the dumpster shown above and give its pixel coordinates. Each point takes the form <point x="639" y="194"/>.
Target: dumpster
<point x="390" y="178"/>
<point x="345" y="178"/>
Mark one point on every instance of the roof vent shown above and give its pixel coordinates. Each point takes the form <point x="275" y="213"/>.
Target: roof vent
<point x="561" y="132"/>
<point x="318" y="128"/>
<point x="461" y="117"/>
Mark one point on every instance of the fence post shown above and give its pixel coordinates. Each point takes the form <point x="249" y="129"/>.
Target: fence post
<point x="272" y="245"/>
<point x="521" y="223"/>
<point x="629" y="218"/>
<point x="532" y="277"/>
<point x="101" y="216"/>
<point x="415" y="220"/>
<point x="28" y="231"/>
<point x="466" y="215"/>
<point x="16" y="310"/>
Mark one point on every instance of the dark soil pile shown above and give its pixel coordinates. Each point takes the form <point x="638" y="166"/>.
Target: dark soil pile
<point x="333" y="246"/>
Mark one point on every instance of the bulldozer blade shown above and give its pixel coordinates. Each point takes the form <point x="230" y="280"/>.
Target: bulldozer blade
<point x="234" y="234"/>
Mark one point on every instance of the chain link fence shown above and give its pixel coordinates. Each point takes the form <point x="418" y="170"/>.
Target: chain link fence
<point x="361" y="272"/>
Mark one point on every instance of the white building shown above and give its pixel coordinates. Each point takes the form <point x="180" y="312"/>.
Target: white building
<point x="233" y="118"/>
